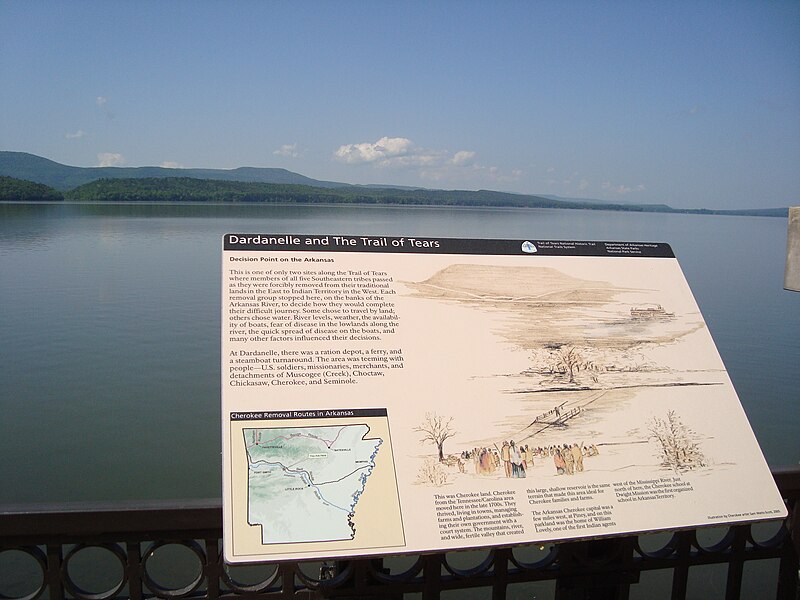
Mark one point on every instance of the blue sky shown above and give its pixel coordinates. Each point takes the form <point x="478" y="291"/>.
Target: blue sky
<point x="692" y="104"/>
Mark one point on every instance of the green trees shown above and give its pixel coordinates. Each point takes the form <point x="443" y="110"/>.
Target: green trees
<point x="186" y="189"/>
<point x="19" y="190"/>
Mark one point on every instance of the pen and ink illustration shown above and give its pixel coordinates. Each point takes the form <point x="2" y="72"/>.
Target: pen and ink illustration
<point x="607" y="366"/>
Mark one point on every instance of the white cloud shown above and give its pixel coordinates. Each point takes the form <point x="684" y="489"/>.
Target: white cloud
<point x="288" y="150"/>
<point x="381" y="152"/>
<point x="462" y="157"/>
<point x="169" y="164"/>
<point x="458" y="167"/>
<point x="75" y="136"/>
<point x="110" y="159"/>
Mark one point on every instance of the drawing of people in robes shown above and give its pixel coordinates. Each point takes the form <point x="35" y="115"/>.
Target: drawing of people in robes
<point x="577" y="455"/>
<point x="566" y="453"/>
<point x="529" y="452"/>
<point x="486" y="462"/>
<point x="517" y="468"/>
<point x="505" y="454"/>
<point x="558" y="460"/>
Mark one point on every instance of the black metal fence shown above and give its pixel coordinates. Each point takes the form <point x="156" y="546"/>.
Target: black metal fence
<point x="173" y="550"/>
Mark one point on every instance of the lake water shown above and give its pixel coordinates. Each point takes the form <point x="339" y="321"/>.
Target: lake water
<point x="110" y="328"/>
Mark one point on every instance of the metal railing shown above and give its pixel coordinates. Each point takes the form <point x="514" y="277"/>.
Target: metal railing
<point x="172" y="550"/>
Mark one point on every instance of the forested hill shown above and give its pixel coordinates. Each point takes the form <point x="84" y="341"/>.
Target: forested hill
<point x="246" y="184"/>
<point x="19" y="190"/>
<point x="64" y="177"/>
<point x="184" y="189"/>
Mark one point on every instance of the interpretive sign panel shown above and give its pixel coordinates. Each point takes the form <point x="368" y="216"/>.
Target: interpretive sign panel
<point x="383" y="395"/>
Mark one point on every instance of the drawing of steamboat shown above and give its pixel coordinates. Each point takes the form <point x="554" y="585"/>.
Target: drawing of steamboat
<point x="650" y="312"/>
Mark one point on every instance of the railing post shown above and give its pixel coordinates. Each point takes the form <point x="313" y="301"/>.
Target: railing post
<point x="683" y="554"/>
<point x="733" y="585"/>
<point x="213" y="568"/>
<point x="500" y="579"/>
<point x="55" y="563"/>
<point x="432" y="573"/>
<point x="596" y="570"/>
<point x="789" y="570"/>
<point x="133" y="571"/>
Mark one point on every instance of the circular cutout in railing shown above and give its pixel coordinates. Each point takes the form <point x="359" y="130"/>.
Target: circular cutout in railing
<point x="322" y="574"/>
<point x="768" y="535"/>
<point x="467" y="563"/>
<point x="173" y="569"/>
<point x="94" y="572"/>
<point x="403" y="567"/>
<point x="714" y="539"/>
<point x="534" y="556"/>
<point x="251" y="579"/>
<point x="22" y="573"/>
<point x="656" y="545"/>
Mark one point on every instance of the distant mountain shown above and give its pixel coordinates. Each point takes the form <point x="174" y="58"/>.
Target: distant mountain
<point x="586" y="200"/>
<point x="186" y="189"/>
<point x="666" y="208"/>
<point x="30" y="167"/>
<point x="251" y="184"/>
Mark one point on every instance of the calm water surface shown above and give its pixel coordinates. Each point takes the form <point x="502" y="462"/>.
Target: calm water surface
<point x="110" y="328"/>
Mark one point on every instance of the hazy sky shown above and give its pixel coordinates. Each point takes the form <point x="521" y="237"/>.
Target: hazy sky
<point x="692" y="104"/>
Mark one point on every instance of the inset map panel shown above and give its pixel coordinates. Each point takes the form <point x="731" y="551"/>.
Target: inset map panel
<point x="320" y="481"/>
<point x="304" y="483"/>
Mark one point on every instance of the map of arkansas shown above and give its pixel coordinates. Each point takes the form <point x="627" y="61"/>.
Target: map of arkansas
<point x="304" y="482"/>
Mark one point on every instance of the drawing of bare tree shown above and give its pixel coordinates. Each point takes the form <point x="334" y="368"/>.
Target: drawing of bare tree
<point x="436" y="429"/>
<point x="568" y="361"/>
<point x="679" y="449"/>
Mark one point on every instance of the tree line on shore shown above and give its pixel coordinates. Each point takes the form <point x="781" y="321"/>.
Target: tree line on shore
<point x="20" y="190"/>
<point x="187" y="189"/>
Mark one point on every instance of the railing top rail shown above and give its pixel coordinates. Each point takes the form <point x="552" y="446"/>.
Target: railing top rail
<point x="96" y="518"/>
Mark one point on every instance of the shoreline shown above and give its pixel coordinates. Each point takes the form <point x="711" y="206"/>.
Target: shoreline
<point x="700" y="212"/>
